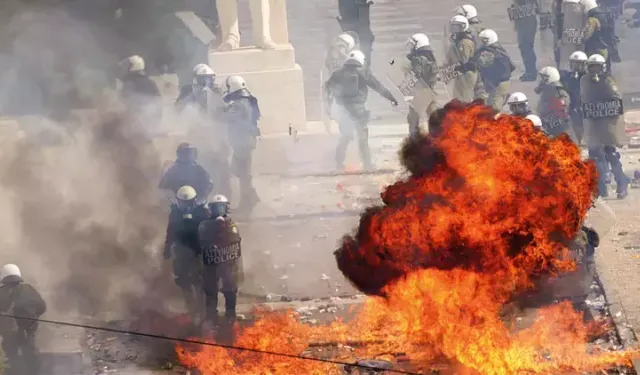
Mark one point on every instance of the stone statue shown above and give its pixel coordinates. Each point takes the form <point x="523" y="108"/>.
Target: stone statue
<point x="260" y="18"/>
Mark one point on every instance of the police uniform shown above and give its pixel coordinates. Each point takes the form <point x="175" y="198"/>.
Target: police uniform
<point x="18" y="335"/>
<point x="553" y="110"/>
<point x="241" y="115"/>
<point x="603" y="135"/>
<point x="467" y="87"/>
<point x="349" y="89"/>
<point x="187" y="173"/>
<point x="495" y="68"/>
<point x="425" y="68"/>
<point x="526" y="28"/>
<point x="211" y="135"/>
<point x="571" y="81"/>
<point x="221" y="251"/>
<point x="354" y="16"/>
<point x="183" y="244"/>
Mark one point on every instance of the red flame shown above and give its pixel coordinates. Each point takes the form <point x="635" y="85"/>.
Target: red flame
<point x="490" y="205"/>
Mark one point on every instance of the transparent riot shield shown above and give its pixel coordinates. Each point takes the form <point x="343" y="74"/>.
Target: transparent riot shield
<point x="400" y="74"/>
<point x="571" y="39"/>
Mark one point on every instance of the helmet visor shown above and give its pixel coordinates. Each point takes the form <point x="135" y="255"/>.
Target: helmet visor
<point x="595" y="68"/>
<point x="577" y="65"/>
<point x="219" y="209"/>
<point x="521" y="108"/>
<point x="203" y="81"/>
<point x="456" y="28"/>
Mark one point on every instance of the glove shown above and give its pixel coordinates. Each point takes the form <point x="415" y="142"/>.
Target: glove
<point x="394" y="102"/>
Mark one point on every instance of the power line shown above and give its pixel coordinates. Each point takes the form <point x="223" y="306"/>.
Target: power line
<point x="198" y="342"/>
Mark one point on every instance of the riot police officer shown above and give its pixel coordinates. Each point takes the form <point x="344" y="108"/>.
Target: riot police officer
<point x="425" y="69"/>
<point x="206" y="97"/>
<point x="466" y="87"/>
<point x="181" y="245"/>
<point x="186" y="172"/>
<point x="354" y="16"/>
<point x="346" y="91"/>
<point x="139" y="93"/>
<point x="599" y="33"/>
<point x="571" y="80"/>
<point x="495" y="67"/>
<point x="471" y="14"/>
<point x="519" y="104"/>
<point x="526" y="28"/>
<point x="554" y="103"/>
<point x="241" y="115"/>
<point x="221" y="251"/>
<point x="19" y="299"/>
<point x="603" y="133"/>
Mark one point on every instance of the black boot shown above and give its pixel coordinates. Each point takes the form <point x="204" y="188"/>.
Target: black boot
<point x="230" y="300"/>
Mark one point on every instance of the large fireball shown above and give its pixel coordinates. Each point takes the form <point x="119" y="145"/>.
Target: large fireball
<point x="490" y="204"/>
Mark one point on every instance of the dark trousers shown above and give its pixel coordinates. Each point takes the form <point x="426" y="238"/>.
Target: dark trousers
<point x="225" y="278"/>
<point x="353" y="119"/>
<point x="526" y="30"/>
<point x="188" y="277"/>
<point x="605" y="157"/>
<point x="19" y="347"/>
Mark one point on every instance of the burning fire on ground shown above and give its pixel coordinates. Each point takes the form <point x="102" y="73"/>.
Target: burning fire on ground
<point x="490" y="205"/>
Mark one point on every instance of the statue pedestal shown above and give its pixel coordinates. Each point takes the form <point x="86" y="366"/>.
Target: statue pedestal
<point x="273" y="77"/>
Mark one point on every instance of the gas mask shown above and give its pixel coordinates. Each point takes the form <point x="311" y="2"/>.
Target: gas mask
<point x="519" y="109"/>
<point x="219" y="209"/>
<point x="595" y="71"/>
<point x="202" y="82"/>
<point x="577" y="67"/>
<point x="186" y="208"/>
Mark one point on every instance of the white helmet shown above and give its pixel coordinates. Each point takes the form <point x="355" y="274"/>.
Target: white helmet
<point x="517" y="97"/>
<point x="578" y="56"/>
<point x="488" y="37"/>
<point x="596" y="59"/>
<point x="535" y="119"/>
<point x="355" y="58"/>
<point x="186" y="193"/>
<point x="588" y="4"/>
<point x="203" y="70"/>
<point x="134" y="63"/>
<point x="348" y="40"/>
<point x="9" y="270"/>
<point x="461" y="22"/>
<point x="418" y="41"/>
<point x="467" y="10"/>
<point x="236" y="83"/>
<point x="549" y="75"/>
<point x="220" y="199"/>
<point x="571" y="1"/>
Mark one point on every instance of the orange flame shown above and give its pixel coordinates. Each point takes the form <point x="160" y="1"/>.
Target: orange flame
<point x="490" y="205"/>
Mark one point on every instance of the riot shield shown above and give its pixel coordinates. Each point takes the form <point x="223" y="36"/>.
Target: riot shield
<point x="571" y="40"/>
<point x="403" y="79"/>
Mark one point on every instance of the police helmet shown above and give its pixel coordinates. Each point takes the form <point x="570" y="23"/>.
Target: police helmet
<point x="535" y="119"/>
<point x="9" y="270"/>
<point x="488" y="37"/>
<point x="203" y="70"/>
<point x="418" y="41"/>
<point x="549" y="75"/>
<point x="467" y="10"/>
<point x="459" y="24"/>
<point x="219" y="206"/>
<point x="355" y="58"/>
<point x="518" y="103"/>
<point x="133" y="63"/>
<point x="578" y="61"/>
<point x="596" y="63"/>
<point x="571" y="1"/>
<point x="588" y="5"/>
<point x="235" y="83"/>
<point x="186" y="193"/>
<point x="347" y="40"/>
